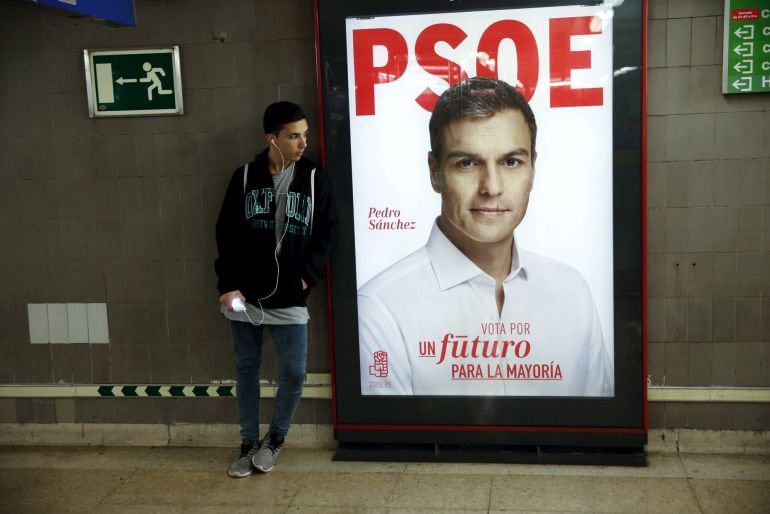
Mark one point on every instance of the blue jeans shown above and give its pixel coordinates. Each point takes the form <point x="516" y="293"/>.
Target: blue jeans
<point x="291" y="347"/>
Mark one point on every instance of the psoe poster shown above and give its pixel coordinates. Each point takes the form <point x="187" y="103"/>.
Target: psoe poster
<point x="484" y="266"/>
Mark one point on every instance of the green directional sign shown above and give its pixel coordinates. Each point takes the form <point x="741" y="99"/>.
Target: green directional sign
<point x="133" y="82"/>
<point x="746" y="51"/>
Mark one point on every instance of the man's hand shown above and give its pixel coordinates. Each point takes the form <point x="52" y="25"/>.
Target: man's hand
<point x="227" y="299"/>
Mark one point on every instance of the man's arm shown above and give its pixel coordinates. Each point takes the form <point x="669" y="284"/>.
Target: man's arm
<point x="322" y="234"/>
<point x="228" y="233"/>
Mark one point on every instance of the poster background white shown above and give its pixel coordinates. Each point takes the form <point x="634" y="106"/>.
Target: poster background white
<point x="570" y="211"/>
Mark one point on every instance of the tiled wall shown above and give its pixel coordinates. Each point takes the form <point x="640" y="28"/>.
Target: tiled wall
<point x="121" y="211"/>
<point x="708" y="221"/>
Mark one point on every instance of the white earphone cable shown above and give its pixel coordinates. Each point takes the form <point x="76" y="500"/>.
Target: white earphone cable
<point x="277" y="249"/>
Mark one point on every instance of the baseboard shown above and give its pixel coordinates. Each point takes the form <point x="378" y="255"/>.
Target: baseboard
<point x="322" y="436"/>
<point x="114" y="434"/>
<point x="688" y="440"/>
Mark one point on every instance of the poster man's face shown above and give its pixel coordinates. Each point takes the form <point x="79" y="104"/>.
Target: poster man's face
<point x="484" y="176"/>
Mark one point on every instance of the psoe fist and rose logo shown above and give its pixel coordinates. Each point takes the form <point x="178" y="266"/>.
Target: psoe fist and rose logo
<point x="380" y="367"/>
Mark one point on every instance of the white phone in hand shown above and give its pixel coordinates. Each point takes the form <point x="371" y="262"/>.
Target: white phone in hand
<point x="237" y="305"/>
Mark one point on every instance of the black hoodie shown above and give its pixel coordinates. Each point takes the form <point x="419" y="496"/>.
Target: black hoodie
<point x="246" y="234"/>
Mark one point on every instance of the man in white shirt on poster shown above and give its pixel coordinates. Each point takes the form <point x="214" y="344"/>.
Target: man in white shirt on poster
<point x="470" y="313"/>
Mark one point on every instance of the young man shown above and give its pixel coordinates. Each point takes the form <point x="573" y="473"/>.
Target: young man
<point x="274" y="234"/>
<point x="470" y="313"/>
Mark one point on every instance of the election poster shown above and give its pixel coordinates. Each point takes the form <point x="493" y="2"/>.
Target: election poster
<point x="487" y="285"/>
<point x="436" y="315"/>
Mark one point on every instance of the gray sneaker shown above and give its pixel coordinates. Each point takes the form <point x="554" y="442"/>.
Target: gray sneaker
<point x="265" y="458"/>
<point x="241" y="466"/>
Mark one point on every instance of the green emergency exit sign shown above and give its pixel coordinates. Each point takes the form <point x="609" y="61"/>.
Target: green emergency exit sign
<point x="142" y="82"/>
<point x="746" y="51"/>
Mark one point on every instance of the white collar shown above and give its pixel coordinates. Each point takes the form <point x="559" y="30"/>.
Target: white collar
<point x="452" y="267"/>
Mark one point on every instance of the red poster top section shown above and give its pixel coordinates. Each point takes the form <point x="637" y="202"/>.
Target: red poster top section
<point x="745" y="14"/>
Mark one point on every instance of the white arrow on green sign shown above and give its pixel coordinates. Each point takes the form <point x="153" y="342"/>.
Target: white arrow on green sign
<point x="745" y="32"/>
<point x="142" y="82"/>
<point x="746" y="50"/>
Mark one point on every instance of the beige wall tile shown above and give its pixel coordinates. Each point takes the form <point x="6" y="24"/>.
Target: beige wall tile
<point x="657" y="9"/>
<point x="65" y="410"/>
<point x="656" y="320"/>
<point x="678" y="230"/>
<point x="749" y="274"/>
<point x="717" y="416"/>
<point x="675" y="317"/>
<point x="699" y="320"/>
<point x="676" y="275"/>
<point x="750" y="224"/>
<point x="657" y="142"/>
<point x="656" y="230"/>
<point x="701" y="279"/>
<point x="679" y="91"/>
<point x="77" y="322"/>
<point x="723" y="369"/>
<point x="58" y="328"/>
<point x="702" y="183"/>
<point x="751" y="179"/>
<point x="724" y="315"/>
<point x="693" y="8"/>
<point x="677" y="177"/>
<point x="656" y="275"/>
<point x="704" y="40"/>
<point x="701" y="229"/>
<point x="676" y="415"/>
<point x="8" y="410"/>
<point x="657" y="90"/>
<point x="725" y="229"/>
<point x="700" y="361"/>
<point x="38" y="323"/>
<point x="677" y="363"/>
<point x="678" y="40"/>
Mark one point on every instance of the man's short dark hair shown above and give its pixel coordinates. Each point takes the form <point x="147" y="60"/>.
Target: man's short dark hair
<point x="279" y="114"/>
<point x="477" y="97"/>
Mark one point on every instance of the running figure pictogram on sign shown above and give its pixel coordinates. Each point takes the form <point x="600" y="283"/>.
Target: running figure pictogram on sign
<point x="152" y="76"/>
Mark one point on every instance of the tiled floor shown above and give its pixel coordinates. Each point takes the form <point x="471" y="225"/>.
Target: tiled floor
<point x="169" y="480"/>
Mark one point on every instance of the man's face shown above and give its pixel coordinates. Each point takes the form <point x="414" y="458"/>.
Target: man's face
<point x="484" y="176"/>
<point x="292" y="140"/>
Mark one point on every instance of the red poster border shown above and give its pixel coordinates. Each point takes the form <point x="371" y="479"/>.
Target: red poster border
<point x="474" y="428"/>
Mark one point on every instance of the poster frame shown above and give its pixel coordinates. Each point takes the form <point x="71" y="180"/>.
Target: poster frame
<point x="359" y="419"/>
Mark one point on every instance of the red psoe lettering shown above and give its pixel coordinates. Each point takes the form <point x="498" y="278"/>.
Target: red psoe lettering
<point x="441" y="67"/>
<point x="366" y="74"/>
<point x="528" y="62"/>
<point x="564" y="60"/>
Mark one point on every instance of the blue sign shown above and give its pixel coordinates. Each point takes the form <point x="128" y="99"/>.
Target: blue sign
<point x="120" y="12"/>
